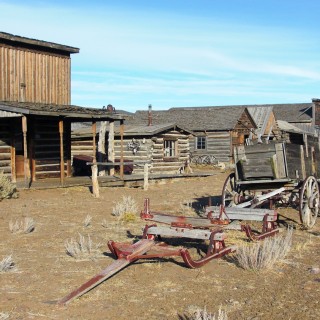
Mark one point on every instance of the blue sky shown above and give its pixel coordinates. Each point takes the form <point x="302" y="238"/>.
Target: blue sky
<point x="179" y="53"/>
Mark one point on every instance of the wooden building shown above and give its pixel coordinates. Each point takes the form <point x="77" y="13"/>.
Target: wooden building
<point x="35" y="109"/>
<point x="216" y="130"/>
<point x="267" y="127"/>
<point x="34" y="71"/>
<point x="35" y="139"/>
<point x="165" y="147"/>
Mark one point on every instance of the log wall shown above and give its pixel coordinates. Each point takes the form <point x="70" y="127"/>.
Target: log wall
<point x="28" y="75"/>
<point x="217" y="144"/>
<point x="45" y="148"/>
<point x="152" y="150"/>
<point x="5" y="147"/>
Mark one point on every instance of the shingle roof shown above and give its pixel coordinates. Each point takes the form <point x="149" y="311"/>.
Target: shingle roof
<point x="201" y="118"/>
<point x="57" y="110"/>
<point x="221" y="117"/>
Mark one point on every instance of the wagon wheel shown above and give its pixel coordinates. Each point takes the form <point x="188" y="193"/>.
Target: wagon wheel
<point x="309" y="202"/>
<point x="231" y="192"/>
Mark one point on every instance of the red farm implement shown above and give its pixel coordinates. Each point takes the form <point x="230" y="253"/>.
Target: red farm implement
<point x="210" y="228"/>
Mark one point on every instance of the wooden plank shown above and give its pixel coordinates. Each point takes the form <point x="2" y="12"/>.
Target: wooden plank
<point x="139" y="248"/>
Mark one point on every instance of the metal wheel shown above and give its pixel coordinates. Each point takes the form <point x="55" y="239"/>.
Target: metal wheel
<point x="231" y="192"/>
<point x="309" y="202"/>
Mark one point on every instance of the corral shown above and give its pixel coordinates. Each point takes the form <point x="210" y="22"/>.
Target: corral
<point x="160" y="289"/>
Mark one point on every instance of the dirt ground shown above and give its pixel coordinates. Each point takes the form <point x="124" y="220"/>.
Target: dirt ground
<point x="160" y="289"/>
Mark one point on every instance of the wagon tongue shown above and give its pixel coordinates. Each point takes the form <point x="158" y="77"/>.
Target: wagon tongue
<point x="134" y="251"/>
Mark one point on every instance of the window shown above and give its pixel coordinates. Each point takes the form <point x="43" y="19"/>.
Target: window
<point x="170" y="148"/>
<point x="201" y="143"/>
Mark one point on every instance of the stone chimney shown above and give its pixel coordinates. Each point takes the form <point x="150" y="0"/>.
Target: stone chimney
<point x="150" y="115"/>
<point x="316" y="112"/>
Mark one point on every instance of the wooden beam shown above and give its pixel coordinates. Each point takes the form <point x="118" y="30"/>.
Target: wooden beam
<point x="94" y="168"/>
<point x="94" y="147"/>
<point x="13" y="154"/>
<point x="102" y="147"/>
<point x="61" y="152"/>
<point x="111" y="156"/>
<point x="25" y="152"/>
<point x="121" y="154"/>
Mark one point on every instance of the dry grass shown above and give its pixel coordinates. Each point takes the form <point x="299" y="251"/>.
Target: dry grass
<point x="203" y="314"/>
<point x="87" y="221"/>
<point x="7" y="264"/>
<point x="126" y="210"/>
<point x="4" y="316"/>
<point x="81" y="249"/>
<point x="27" y="225"/>
<point x="263" y="255"/>
<point x="7" y="188"/>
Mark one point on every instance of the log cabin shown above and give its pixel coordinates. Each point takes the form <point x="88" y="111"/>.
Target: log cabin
<point x="165" y="147"/>
<point x="216" y="130"/>
<point x="35" y="109"/>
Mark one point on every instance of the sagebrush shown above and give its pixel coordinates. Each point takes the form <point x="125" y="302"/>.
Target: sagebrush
<point x="82" y="248"/>
<point x="7" y="264"/>
<point x="25" y="225"/>
<point x="126" y="210"/>
<point x="203" y="314"/>
<point x="264" y="254"/>
<point x="7" y="188"/>
<point x="4" y="316"/>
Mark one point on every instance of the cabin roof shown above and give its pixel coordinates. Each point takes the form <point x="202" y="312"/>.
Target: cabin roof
<point x="195" y="119"/>
<point x="53" y="110"/>
<point x="132" y="130"/>
<point x="18" y="40"/>
<point x="224" y="117"/>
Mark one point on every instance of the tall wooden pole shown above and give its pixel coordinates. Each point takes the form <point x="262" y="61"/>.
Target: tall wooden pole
<point x="111" y="157"/>
<point x="13" y="153"/>
<point x="102" y="147"/>
<point x="61" y="152"/>
<point x="25" y="152"/>
<point x="94" y="168"/>
<point x="121" y="155"/>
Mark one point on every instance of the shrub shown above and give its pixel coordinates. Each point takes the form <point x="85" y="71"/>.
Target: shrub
<point x="7" y="264"/>
<point x="265" y="254"/>
<point x="7" y="188"/>
<point x="4" y="316"/>
<point x="203" y="314"/>
<point x="87" y="221"/>
<point x="81" y="249"/>
<point x="126" y="210"/>
<point x="24" y="226"/>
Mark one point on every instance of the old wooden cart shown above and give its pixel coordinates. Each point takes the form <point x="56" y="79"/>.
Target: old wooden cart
<point x="282" y="173"/>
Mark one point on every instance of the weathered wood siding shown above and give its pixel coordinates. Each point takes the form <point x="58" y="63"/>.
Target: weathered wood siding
<point x="5" y="147"/>
<point x="81" y="146"/>
<point x="217" y="144"/>
<point x="45" y="148"/>
<point x="152" y="150"/>
<point x="279" y="160"/>
<point x="28" y="75"/>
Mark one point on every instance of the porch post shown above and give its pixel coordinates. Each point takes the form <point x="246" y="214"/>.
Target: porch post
<point x="61" y="152"/>
<point x="102" y="147"/>
<point x="121" y="156"/>
<point x="25" y="152"/>
<point x="13" y="153"/>
<point x="94" y="168"/>
<point x="111" y="156"/>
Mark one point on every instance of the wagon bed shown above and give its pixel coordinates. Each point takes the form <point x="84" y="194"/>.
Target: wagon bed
<point x="292" y="168"/>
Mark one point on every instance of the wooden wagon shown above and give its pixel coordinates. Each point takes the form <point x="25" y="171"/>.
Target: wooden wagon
<point x="278" y="172"/>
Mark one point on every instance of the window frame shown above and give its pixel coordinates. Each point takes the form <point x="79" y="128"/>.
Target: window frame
<point x="203" y="143"/>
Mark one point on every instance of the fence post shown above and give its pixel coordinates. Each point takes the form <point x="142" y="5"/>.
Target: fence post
<point x="95" y="183"/>
<point x="145" y="177"/>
